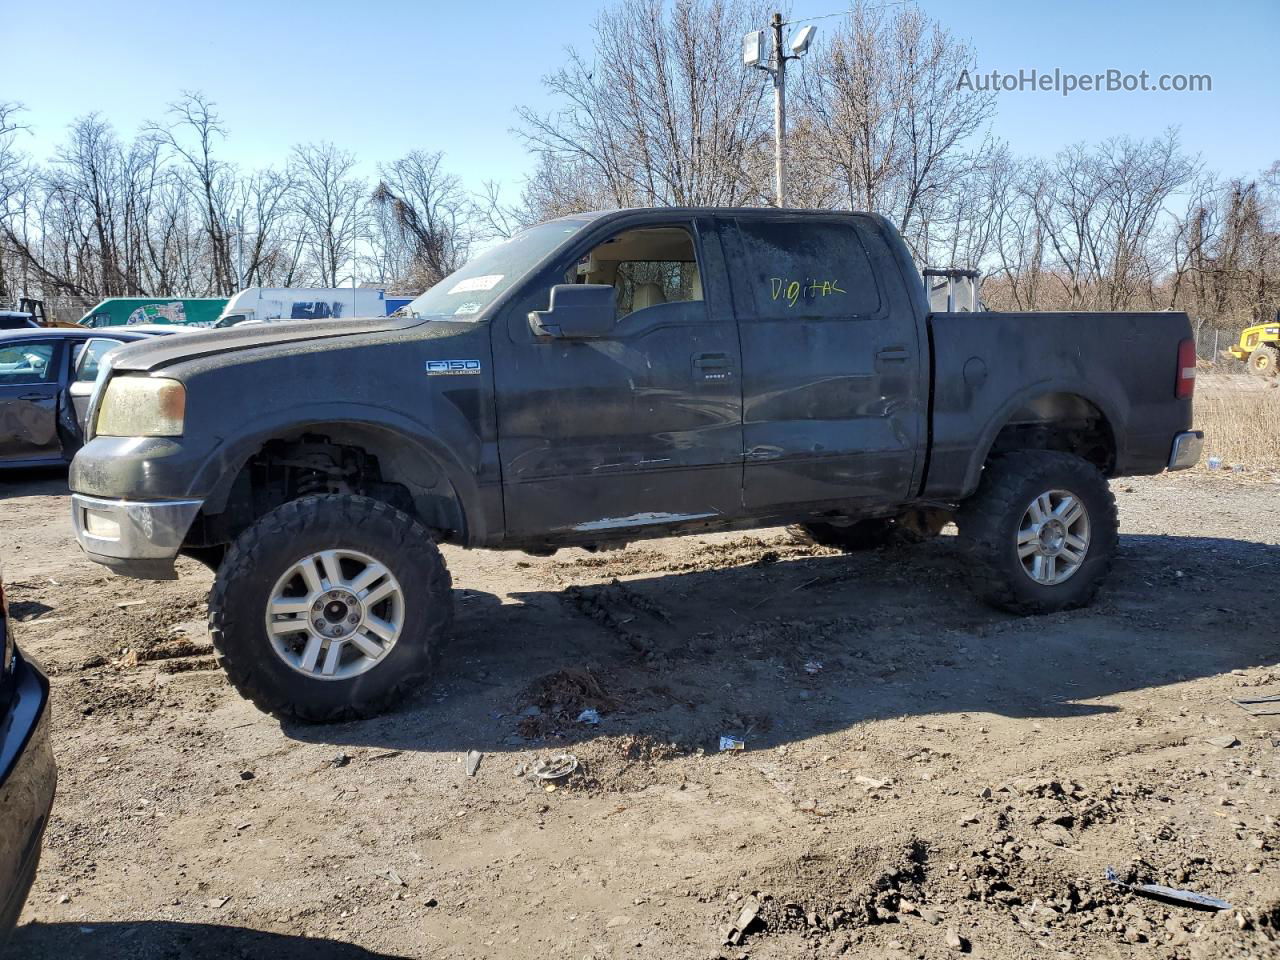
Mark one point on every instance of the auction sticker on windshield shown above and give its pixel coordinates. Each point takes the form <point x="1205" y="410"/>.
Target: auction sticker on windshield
<point x="473" y="284"/>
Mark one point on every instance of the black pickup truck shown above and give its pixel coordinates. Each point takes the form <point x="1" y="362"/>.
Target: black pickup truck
<point x="605" y="378"/>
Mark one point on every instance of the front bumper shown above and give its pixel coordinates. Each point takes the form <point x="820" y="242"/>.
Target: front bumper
<point x="136" y="538"/>
<point x="28" y="779"/>
<point x="1187" y="448"/>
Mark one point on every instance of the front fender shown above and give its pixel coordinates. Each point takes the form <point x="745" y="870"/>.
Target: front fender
<point x="446" y="451"/>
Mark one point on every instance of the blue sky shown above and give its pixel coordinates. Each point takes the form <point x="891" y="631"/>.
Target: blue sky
<point x="386" y="76"/>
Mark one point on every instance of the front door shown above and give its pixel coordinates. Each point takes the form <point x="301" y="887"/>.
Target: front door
<point x="834" y="398"/>
<point x="639" y="428"/>
<point x="29" y="390"/>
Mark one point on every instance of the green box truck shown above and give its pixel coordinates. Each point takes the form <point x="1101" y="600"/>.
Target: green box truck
<point x="125" y="311"/>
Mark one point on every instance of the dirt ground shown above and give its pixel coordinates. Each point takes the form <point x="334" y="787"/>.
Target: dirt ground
<point x="922" y="776"/>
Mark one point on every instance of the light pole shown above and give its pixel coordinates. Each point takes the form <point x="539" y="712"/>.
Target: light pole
<point x="776" y="64"/>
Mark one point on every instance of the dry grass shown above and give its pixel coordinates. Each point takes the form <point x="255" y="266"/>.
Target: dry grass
<point x="1241" y="426"/>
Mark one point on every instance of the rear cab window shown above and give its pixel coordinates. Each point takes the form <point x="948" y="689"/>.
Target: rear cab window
<point x="810" y="269"/>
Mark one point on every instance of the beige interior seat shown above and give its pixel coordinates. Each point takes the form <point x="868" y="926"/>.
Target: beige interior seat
<point x="647" y="295"/>
<point x="695" y="284"/>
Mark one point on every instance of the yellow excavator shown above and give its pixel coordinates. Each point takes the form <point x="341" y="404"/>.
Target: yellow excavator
<point x="1259" y="348"/>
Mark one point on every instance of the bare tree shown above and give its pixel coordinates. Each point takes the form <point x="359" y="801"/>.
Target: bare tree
<point x="890" y="118"/>
<point x="424" y="220"/>
<point x="329" y="202"/>
<point x="663" y="113"/>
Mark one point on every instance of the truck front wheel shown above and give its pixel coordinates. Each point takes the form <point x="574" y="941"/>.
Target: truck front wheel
<point x="330" y="608"/>
<point x="1040" y="533"/>
<point x="1264" y="359"/>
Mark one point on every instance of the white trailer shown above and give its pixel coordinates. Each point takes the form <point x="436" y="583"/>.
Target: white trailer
<point x="258" y="304"/>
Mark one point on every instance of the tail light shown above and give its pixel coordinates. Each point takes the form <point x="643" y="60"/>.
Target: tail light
<point x="1185" y="386"/>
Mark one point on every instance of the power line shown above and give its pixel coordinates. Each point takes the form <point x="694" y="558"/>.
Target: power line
<point x="845" y="13"/>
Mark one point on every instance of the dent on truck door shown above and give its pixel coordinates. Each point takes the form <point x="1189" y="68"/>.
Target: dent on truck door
<point x="833" y="399"/>
<point x="29" y="389"/>
<point x="638" y="428"/>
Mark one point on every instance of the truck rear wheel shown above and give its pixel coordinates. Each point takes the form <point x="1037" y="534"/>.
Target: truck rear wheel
<point x="1265" y="360"/>
<point x="859" y="535"/>
<point x="330" y="608"/>
<point x="1040" y="533"/>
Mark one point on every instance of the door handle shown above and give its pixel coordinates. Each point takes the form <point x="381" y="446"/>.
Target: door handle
<point x="33" y="396"/>
<point x="893" y="354"/>
<point x="711" y="361"/>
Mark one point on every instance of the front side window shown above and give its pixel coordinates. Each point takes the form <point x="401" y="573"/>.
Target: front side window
<point x="646" y="267"/>
<point x="24" y="363"/>
<point x="89" y="360"/>
<point x="807" y="268"/>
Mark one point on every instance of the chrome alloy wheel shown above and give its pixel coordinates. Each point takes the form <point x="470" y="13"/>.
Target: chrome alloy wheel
<point x="1053" y="537"/>
<point x="334" y="615"/>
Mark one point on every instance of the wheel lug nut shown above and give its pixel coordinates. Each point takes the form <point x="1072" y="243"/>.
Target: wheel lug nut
<point x="353" y="619"/>
<point x="319" y="624"/>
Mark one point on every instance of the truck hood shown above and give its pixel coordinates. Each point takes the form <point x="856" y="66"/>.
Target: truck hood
<point x="159" y="352"/>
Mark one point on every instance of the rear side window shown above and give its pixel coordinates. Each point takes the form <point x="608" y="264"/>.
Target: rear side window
<point x="807" y="269"/>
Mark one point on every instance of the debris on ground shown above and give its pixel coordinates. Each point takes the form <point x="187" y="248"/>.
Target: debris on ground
<point x="558" y="699"/>
<point x="1187" y="898"/>
<point x="732" y="743"/>
<point x="747" y="917"/>
<point x="473" y="762"/>
<point x="391" y="877"/>
<point x="1224" y="742"/>
<point x="589" y="716"/>
<point x="556" y="768"/>
<point x="1259" y="706"/>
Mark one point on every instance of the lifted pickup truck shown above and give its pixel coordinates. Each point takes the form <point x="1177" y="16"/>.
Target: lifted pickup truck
<point x="605" y="378"/>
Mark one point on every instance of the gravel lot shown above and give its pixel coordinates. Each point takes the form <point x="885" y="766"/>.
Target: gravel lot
<point x="922" y="775"/>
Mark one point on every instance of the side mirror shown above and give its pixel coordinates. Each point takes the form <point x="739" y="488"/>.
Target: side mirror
<point x="577" y="311"/>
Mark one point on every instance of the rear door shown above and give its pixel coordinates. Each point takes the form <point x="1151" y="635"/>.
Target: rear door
<point x="29" y="390"/>
<point x="834" y="398"/>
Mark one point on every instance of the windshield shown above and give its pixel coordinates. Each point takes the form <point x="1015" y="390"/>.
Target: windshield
<point x="230" y="321"/>
<point x="465" y="294"/>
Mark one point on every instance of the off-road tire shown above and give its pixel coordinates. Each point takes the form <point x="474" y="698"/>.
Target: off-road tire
<point x="262" y="553"/>
<point x="1264" y="361"/>
<point x="989" y="521"/>
<point x="859" y="535"/>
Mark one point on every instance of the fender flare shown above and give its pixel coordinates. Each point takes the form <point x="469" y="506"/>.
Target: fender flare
<point x="425" y="443"/>
<point x="1112" y="404"/>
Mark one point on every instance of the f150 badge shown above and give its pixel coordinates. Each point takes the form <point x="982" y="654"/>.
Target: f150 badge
<point x="452" y="368"/>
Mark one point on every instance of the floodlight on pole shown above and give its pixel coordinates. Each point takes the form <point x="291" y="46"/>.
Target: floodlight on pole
<point x="776" y="63"/>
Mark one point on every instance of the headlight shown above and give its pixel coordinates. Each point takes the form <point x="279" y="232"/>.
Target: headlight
<point x="142" y="407"/>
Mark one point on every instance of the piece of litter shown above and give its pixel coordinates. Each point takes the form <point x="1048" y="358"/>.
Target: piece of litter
<point x="1187" y="898"/>
<point x="217" y="903"/>
<point x="390" y="876"/>
<point x="1223" y="742"/>
<point x="130" y="603"/>
<point x="590" y="715"/>
<point x="813" y="666"/>
<point x="1259" y="706"/>
<point x="557" y="768"/>
<point x="746" y="917"/>
<point x="732" y="743"/>
<point x="473" y="762"/>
